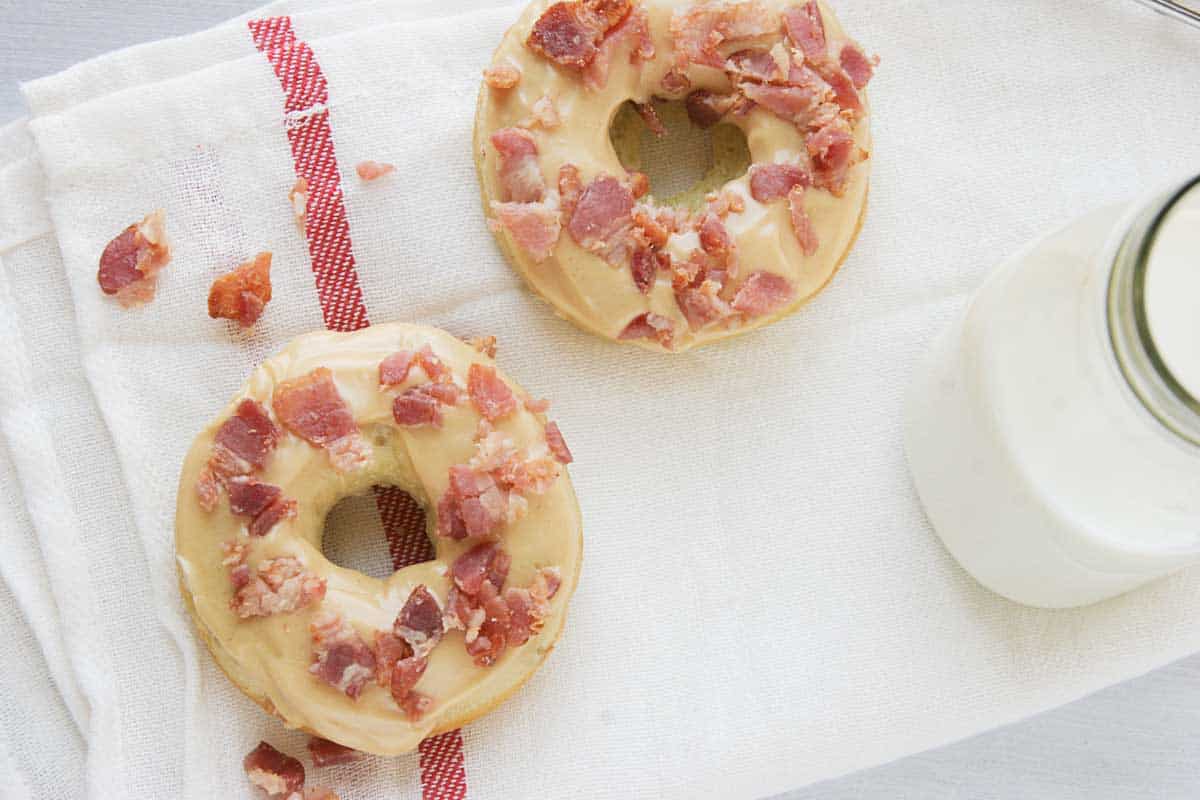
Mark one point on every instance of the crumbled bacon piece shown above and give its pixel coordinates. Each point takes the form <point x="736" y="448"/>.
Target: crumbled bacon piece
<point x="340" y="656"/>
<point x="759" y="65"/>
<point x="298" y="197"/>
<point x="714" y="238"/>
<point x="857" y="65"/>
<point x="249" y="497"/>
<point x="805" y="29"/>
<point x="770" y="182"/>
<point x="472" y="507"/>
<point x="650" y="326"/>
<point x="373" y="170"/>
<point x="535" y="227"/>
<point x="570" y="187"/>
<point x="275" y="773"/>
<point x="702" y="305"/>
<point x="644" y="266"/>
<point x="569" y="33"/>
<point x="311" y="407"/>
<point x="796" y="104"/>
<point x="279" y="586"/>
<point x="483" y="562"/>
<point x="705" y="108"/>
<point x="635" y="27"/>
<point x="833" y="152"/>
<point x="394" y="369"/>
<point x="529" y="607"/>
<point x="326" y="753"/>
<point x="520" y="173"/>
<point x="433" y="366"/>
<point x="398" y="669"/>
<point x="675" y="82"/>
<point x="602" y="217"/>
<point x="701" y="29"/>
<point x="130" y="263"/>
<point x="280" y="509"/>
<point x="208" y="490"/>
<point x="557" y="444"/>
<point x="417" y="407"/>
<point x="762" y="293"/>
<point x="247" y="438"/>
<point x="489" y="393"/>
<point x="801" y="224"/>
<point x="420" y="621"/>
<point x="502" y="76"/>
<point x="484" y="344"/>
<point x="243" y="293"/>
<point x="492" y="637"/>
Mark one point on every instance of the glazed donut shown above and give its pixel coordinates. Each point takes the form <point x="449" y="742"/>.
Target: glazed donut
<point x="675" y="273"/>
<point x="378" y="665"/>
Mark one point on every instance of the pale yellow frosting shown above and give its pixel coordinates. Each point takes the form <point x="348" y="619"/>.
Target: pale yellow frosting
<point x="581" y="286"/>
<point x="268" y="657"/>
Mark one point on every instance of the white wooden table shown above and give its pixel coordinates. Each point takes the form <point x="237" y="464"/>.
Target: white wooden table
<point x="1140" y="739"/>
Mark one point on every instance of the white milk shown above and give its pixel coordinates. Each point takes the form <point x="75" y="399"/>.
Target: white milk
<point x="1041" y="470"/>
<point x="1173" y="292"/>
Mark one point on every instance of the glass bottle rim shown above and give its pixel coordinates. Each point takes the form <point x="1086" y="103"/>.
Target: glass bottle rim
<point x="1138" y="356"/>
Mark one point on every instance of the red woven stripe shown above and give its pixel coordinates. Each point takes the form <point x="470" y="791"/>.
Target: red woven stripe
<point x="443" y="774"/>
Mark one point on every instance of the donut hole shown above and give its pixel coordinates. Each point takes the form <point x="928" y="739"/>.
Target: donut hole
<point x="685" y="164"/>
<point x="356" y="532"/>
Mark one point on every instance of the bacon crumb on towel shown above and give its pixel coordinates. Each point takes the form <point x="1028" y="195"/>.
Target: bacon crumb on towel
<point x="326" y="753"/>
<point x="311" y="407"/>
<point x="279" y="585"/>
<point x="130" y="263"/>
<point x="242" y="293"/>
<point x="298" y="197"/>
<point x="503" y="76"/>
<point x="275" y="773"/>
<point x="373" y="170"/>
<point x="340" y="656"/>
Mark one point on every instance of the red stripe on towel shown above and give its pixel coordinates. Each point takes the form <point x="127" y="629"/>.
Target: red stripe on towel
<point x="306" y="95"/>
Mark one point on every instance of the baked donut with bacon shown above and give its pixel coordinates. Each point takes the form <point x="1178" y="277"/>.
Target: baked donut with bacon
<point x="378" y="665"/>
<point x="589" y="235"/>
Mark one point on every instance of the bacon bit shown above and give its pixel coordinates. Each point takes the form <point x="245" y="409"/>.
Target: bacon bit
<point x="643" y="266"/>
<point x="340" y="656"/>
<point x="635" y="26"/>
<point x="433" y="366"/>
<point x="705" y="108"/>
<point x="472" y="507"/>
<point x="492" y="639"/>
<point x="484" y="344"/>
<point x="762" y="293"/>
<point x="601" y="218"/>
<point x="528" y="608"/>
<point x="242" y="293"/>
<point x="326" y="753"/>
<point x="535" y="406"/>
<point x="502" y="76"/>
<point x="545" y="114"/>
<point x="724" y="202"/>
<point x="249" y="497"/>
<point x="801" y="224"/>
<point x="714" y="239"/>
<point x="419" y="622"/>
<point x="805" y="29"/>
<point x="702" y="305"/>
<point x="842" y="86"/>
<point x="568" y="33"/>
<point x="490" y="395"/>
<point x="557" y="444"/>
<point x="373" y="170"/>
<point x="398" y="670"/>
<point x="273" y="772"/>
<point x="857" y="65"/>
<point x="650" y="326"/>
<point x="417" y="407"/>
<point x="832" y="152"/>
<point x="769" y="182"/>
<point x="699" y="31"/>
<point x="518" y="168"/>
<point x="130" y="263"/>
<point x="311" y="407"/>
<point x="208" y="490"/>
<point x="757" y="65"/>
<point x="261" y="525"/>
<point x="482" y="563"/>
<point x="298" y="198"/>
<point x="394" y="369"/>
<point x="535" y="227"/>
<point x="570" y="187"/>
<point x="639" y="184"/>
<point x="280" y="586"/>
<point x="249" y="436"/>
<point x="795" y="104"/>
<point x="675" y="82"/>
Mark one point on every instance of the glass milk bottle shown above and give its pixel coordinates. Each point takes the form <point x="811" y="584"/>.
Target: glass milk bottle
<point x="1053" y="431"/>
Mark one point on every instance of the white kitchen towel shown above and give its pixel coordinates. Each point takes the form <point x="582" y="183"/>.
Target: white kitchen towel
<point x="763" y="604"/>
